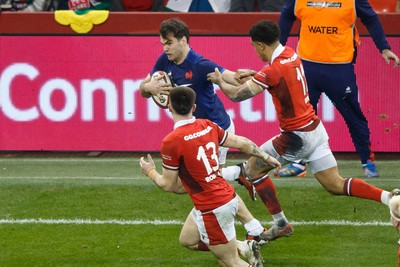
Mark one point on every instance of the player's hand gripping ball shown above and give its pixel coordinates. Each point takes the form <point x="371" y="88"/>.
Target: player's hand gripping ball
<point x="162" y="99"/>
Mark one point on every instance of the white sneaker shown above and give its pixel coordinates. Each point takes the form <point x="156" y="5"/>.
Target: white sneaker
<point x="250" y="250"/>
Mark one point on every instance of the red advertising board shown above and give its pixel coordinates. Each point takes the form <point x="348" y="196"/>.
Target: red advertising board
<point x="82" y="93"/>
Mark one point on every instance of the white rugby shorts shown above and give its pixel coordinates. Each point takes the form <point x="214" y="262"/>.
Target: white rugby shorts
<point x="311" y="147"/>
<point x="217" y="226"/>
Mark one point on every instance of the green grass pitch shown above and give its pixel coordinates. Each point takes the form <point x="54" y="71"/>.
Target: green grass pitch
<point x="101" y="211"/>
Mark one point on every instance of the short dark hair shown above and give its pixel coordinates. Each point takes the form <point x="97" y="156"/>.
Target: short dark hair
<point x="265" y="31"/>
<point x="182" y="99"/>
<point x="176" y="27"/>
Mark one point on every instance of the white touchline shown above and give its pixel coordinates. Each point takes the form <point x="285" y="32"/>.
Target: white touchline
<point x="176" y="222"/>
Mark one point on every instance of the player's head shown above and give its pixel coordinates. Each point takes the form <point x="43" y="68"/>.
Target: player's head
<point x="174" y="28"/>
<point x="265" y="31"/>
<point x="264" y="34"/>
<point x="182" y="100"/>
<point x="174" y="36"/>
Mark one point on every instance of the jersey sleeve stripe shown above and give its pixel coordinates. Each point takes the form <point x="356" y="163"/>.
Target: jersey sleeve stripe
<point x="223" y="138"/>
<point x="169" y="167"/>
<point x="263" y="85"/>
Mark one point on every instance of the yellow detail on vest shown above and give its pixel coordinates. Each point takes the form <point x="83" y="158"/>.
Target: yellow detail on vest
<point x="81" y="23"/>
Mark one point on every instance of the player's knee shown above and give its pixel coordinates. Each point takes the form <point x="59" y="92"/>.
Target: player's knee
<point x="336" y="186"/>
<point x="334" y="192"/>
<point x="184" y="241"/>
<point x="188" y="243"/>
<point x="332" y="182"/>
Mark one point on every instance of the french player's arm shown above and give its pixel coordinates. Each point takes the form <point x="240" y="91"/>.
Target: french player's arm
<point x="236" y="93"/>
<point x="168" y="181"/>
<point x="248" y="147"/>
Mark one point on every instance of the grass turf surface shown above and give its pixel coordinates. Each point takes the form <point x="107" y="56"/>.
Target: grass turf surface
<point x="104" y="212"/>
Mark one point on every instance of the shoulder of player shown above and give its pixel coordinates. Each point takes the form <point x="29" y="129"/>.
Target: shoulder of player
<point x="287" y="56"/>
<point x="197" y="59"/>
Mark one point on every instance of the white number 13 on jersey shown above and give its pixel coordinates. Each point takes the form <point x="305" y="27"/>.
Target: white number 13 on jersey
<point x="201" y="155"/>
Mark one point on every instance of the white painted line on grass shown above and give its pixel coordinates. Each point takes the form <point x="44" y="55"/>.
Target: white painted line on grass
<point x="176" y="222"/>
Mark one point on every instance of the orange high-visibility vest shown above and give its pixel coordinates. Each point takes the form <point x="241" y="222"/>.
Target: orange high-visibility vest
<point x="327" y="32"/>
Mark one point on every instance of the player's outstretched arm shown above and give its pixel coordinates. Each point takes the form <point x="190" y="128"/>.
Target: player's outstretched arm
<point x="243" y="75"/>
<point x="231" y="77"/>
<point x="235" y="93"/>
<point x="248" y="147"/>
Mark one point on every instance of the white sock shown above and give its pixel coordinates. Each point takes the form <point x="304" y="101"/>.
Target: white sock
<point x="230" y="173"/>
<point x="254" y="227"/>
<point x="385" y="197"/>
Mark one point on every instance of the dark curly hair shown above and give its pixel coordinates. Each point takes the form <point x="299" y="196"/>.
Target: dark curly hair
<point x="176" y="27"/>
<point x="265" y="31"/>
<point x="182" y="99"/>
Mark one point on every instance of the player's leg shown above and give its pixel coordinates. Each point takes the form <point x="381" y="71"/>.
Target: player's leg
<point x="189" y="236"/>
<point x="227" y="255"/>
<point x="343" y="93"/>
<point x="323" y="165"/>
<point x="257" y="172"/>
<point x="217" y="230"/>
<point x="331" y="180"/>
<point x="253" y="226"/>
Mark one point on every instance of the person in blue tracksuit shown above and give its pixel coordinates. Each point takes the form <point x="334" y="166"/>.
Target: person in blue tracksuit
<point x="327" y="47"/>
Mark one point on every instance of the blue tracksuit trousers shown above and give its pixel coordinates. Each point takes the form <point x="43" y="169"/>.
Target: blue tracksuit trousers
<point x="338" y="82"/>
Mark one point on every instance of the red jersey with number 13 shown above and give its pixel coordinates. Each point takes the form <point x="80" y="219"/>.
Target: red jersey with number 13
<point x="192" y="149"/>
<point x="285" y="81"/>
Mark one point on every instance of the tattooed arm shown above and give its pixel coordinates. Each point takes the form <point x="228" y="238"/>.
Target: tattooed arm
<point x="248" y="147"/>
<point x="235" y="93"/>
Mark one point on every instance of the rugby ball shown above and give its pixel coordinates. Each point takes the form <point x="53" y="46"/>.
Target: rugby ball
<point x="162" y="100"/>
<point x="394" y="206"/>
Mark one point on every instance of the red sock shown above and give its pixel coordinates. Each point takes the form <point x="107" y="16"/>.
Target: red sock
<point x="202" y="246"/>
<point x="358" y="188"/>
<point x="398" y="255"/>
<point x="267" y="192"/>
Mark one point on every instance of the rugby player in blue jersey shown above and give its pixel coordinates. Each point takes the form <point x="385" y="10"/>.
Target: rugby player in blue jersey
<point x="188" y="68"/>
